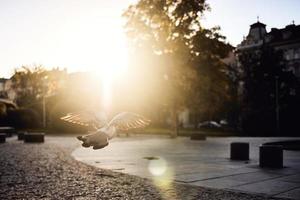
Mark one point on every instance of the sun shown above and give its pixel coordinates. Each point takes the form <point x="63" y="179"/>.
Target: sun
<point x="113" y="65"/>
<point x="93" y="44"/>
<point x="104" y="52"/>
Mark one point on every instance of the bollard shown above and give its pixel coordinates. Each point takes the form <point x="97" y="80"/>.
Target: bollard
<point x="239" y="151"/>
<point x="8" y="130"/>
<point x="2" y="137"/>
<point x="34" y="137"/>
<point x="198" y="137"/>
<point x="21" y="135"/>
<point x="271" y="156"/>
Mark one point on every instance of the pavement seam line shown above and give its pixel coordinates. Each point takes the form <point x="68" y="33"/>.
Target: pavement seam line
<point x="285" y="191"/>
<point x="217" y="177"/>
<point x="260" y="180"/>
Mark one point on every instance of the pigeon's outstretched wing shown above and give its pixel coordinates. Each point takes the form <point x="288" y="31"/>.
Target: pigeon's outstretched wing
<point x="100" y="138"/>
<point x="86" y="118"/>
<point x="126" y="120"/>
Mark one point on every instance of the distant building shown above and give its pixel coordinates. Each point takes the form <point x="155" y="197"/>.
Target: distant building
<point x="2" y="84"/>
<point x="286" y="39"/>
<point x="6" y="90"/>
<point x="270" y="108"/>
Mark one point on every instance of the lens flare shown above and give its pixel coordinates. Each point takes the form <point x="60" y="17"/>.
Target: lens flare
<point x="163" y="177"/>
<point x="157" y="167"/>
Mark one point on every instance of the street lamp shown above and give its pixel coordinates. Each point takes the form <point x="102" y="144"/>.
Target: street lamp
<point x="277" y="105"/>
<point x="44" y="101"/>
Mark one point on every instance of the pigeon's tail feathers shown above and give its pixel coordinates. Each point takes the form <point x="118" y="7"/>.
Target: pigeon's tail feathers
<point x="81" y="138"/>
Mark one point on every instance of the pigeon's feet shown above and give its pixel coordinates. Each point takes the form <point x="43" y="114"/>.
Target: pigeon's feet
<point x="85" y="145"/>
<point x="84" y="140"/>
<point x="81" y="138"/>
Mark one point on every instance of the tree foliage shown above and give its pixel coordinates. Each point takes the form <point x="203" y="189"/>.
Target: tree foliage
<point x="31" y="83"/>
<point x="183" y="56"/>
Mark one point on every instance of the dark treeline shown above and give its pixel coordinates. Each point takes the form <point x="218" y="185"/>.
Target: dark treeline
<point x="271" y="94"/>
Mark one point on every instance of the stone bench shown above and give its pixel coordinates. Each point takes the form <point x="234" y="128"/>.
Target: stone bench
<point x="21" y="135"/>
<point x="8" y="130"/>
<point x="239" y="151"/>
<point x="2" y="137"/>
<point x="271" y="156"/>
<point x="198" y="137"/>
<point x="34" y="137"/>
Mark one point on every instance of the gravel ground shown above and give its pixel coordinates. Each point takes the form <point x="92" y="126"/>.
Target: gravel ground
<point x="47" y="171"/>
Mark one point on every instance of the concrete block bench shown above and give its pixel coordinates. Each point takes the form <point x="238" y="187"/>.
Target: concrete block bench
<point x="239" y="151"/>
<point x="34" y="137"/>
<point x="2" y="137"/>
<point x="271" y="156"/>
<point x="21" y="135"/>
<point x="198" y="137"/>
<point x="8" y="130"/>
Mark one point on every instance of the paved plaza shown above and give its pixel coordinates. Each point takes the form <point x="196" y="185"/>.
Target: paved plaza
<point x="201" y="163"/>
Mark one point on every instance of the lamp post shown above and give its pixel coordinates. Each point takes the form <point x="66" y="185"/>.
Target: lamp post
<point x="44" y="101"/>
<point x="277" y="105"/>
<point x="174" y="116"/>
<point x="44" y="111"/>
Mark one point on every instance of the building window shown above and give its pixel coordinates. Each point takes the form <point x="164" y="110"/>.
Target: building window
<point x="297" y="70"/>
<point x="289" y="54"/>
<point x="297" y="54"/>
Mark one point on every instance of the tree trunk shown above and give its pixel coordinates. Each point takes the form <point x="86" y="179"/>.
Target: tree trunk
<point x="174" y="133"/>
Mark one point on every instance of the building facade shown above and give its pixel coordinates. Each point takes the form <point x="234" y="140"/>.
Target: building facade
<point x="285" y="39"/>
<point x="270" y="79"/>
<point x="6" y="89"/>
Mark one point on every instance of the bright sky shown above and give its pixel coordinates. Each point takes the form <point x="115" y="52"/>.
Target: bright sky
<point x="85" y="35"/>
<point x="235" y="16"/>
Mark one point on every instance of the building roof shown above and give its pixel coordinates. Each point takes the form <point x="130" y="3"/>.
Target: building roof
<point x="276" y="37"/>
<point x="289" y="33"/>
<point x="257" y="25"/>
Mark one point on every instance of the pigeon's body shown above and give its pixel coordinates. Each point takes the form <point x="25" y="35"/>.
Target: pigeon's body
<point x="97" y="140"/>
<point x="101" y="136"/>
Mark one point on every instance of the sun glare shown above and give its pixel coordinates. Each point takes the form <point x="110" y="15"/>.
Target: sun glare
<point x="104" y="52"/>
<point x="112" y="67"/>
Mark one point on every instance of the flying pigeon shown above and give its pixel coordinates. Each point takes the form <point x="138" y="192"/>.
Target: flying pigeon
<point x="104" y="131"/>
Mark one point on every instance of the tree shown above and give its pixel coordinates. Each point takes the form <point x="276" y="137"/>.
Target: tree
<point x="183" y="56"/>
<point x="33" y="84"/>
<point x="270" y="90"/>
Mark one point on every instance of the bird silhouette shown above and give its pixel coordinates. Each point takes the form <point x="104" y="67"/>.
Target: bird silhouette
<point x="104" y="131"/>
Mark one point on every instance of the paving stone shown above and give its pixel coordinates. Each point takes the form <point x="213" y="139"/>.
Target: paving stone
<point x="213" y="174"/>
<point x="291" y="178"/>
<point x="220" y="183"/>
<point x="254" y="177"/>
<point x="189" y="178"/>
<point x="204" y="163"/>
<point x="292" y="194"/>
<point x="271" y="187"/>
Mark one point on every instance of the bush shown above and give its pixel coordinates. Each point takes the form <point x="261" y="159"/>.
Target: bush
<point x="23" y="118"/>
<point x="60" y="109"/>
<point x="259" y="124"/>
<point x="2" y="114"/>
